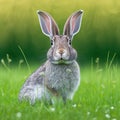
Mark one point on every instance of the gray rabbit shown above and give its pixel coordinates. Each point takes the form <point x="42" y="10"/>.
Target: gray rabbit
<point x="60" y="75"/>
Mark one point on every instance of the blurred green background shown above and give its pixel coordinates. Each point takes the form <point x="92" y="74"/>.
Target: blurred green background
<point x="99" y="35"/>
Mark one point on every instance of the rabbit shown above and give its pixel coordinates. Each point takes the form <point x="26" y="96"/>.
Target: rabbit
<point x="59" y="76"/>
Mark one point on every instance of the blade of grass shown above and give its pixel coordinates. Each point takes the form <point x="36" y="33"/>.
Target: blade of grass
<point x="28" y="66"/>
<point x="112" y="60"/>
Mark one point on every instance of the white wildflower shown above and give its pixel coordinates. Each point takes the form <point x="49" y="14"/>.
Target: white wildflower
<point x="18" y="114"/>
<point x="112" y="107"/>
<point x="52" y="109"/>
<point x="114" y="119"/>
<point x="74" y="105"/>
<point x="107" y="116"/>
<point x="88" y="113"/>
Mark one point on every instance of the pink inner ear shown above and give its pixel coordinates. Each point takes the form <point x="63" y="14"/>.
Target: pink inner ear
<point x="73" y="23"/>
<point x="47" y="23"/>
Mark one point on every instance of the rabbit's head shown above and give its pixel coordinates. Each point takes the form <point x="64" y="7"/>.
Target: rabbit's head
<point x="61" y="51"/>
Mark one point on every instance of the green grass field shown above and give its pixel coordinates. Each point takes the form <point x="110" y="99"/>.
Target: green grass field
<point x="98" y="97"/>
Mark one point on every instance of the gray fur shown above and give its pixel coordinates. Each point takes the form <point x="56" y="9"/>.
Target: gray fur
<point x="60" y="75"/>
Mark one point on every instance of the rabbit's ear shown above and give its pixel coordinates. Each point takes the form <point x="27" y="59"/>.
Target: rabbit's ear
<point x="73" y="24"/>
<point x="48" y="25"/>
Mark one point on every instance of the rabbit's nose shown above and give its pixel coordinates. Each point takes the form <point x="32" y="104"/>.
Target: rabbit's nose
<point x="61" y="51"/>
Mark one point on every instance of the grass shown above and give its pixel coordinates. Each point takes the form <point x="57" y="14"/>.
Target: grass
<point x="97" y="98"/>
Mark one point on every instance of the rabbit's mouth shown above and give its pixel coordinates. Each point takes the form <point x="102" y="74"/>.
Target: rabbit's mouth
<point x="61" y="61"/>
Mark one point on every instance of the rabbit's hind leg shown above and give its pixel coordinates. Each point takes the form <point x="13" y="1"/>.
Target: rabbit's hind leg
<point x="31" y="93"/>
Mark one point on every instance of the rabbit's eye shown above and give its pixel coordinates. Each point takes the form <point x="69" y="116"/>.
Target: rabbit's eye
<point x="69" y="42"/>
<point x="51" y="43"/>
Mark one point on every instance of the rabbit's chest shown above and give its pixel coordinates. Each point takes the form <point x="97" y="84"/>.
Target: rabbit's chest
<point x="62" y="77"/>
